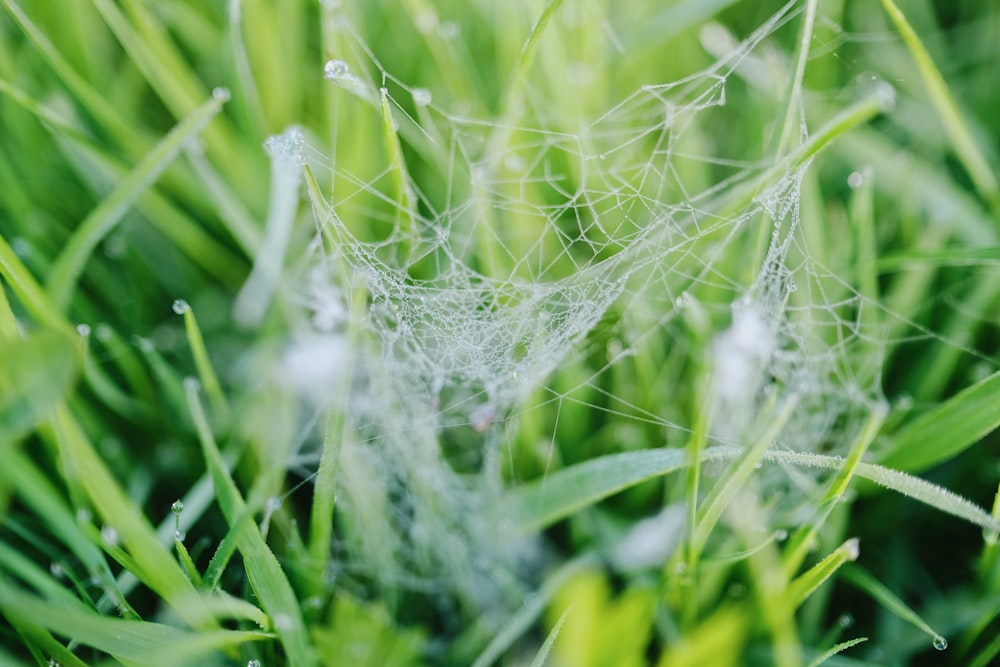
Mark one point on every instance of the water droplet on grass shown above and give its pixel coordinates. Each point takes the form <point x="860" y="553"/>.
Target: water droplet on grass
<point x="109" y="535"/>
<point x="853" y="548"/>
<point x="180" y="306"/>
<point x="283" y="622"/>
<point x="253" y="663"/>
<point x="221" y="94"/>
<point x="177" y="507"/>
<point x="83" y="329"/>
<point x="855" y="180"/>
<point x="421" y="97"/>
<point x="940" y="643"/>
<point x="336" y="70"/>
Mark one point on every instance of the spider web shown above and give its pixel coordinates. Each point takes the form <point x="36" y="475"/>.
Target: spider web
<point x="456" y="285"/>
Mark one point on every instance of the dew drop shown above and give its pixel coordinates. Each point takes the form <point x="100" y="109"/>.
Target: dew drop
<point x="283" y="622"/>
<point x="253" y="663"/>
<point x="853" y="548"/>
<point x="336" y="70"/>
<point x="177" y="507"/>
<point x="940" y="643"/>
<point x="109" y="535"/>
<point x="145" y="344"/>
<point x="180" y="306"/>
<point x="83" y="329"/>
<point x="56" y="570"/>
<point x="845" y="620"/>
<point x="83" y="515"/>
<point x="421" y="97"/>
<point x="781" y="535"/>
<point x="273" y="504"/>
<point x="855" y="180"/>
<point x="221" y="94"/>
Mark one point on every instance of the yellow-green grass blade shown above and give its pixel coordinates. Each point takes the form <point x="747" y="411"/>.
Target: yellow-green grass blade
<point x="67" y="268"/>
<point x="947" y="430"/>
<point x="262" y="567"/>
<point x="839" y="648"/>
<point x="206" y="372"/>
<point x="802" y="587"/>
<point x="965" y="145"/>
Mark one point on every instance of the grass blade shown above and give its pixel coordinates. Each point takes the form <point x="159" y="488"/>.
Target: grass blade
<point x="67" y="268"/>
<point x="35" y="375"/>
<point x="864" y="581"/>
<point x="947" y="430"/>
<point x="134" y="641"/>
<point x="263" y="570"/>
<point x="543" y="502"/>
<point x="966" y="146"/>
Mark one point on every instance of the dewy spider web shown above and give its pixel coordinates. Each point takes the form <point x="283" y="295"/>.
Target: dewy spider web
<point x="480" y="290"/>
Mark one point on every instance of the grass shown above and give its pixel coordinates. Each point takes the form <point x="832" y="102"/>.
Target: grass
<point x="540" y="333"/>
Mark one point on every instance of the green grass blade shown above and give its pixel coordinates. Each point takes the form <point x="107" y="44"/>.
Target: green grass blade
<point x="839" y="648"/>
<point x="939" y="257"/>
<point x="543" y="652"/>
<point x="67" y="268"/>
<point x="864" y="581"/>
<point x="206" y="372"/>
<point x="35" y="375"/>
<point x="801" y="588"/>
<point x="135" y="641"/>
<point x="542" y="502"/>
<point x="966" y="146"/>
<point x="29" y="292"/>
<point x="262" y="567"/>
<point x="285" y="151"/>
<point x="947" y="430"/>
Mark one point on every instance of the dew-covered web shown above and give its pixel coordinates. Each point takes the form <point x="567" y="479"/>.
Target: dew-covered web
<point x="451" y="279"/>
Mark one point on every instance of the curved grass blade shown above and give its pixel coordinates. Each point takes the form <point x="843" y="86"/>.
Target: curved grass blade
<point x="541" y="503"/>
<point x="35" y="374"/>
<point x="67" y="268"/>
<point x="126" y="640"/>
<point x="947" y="430"/>
<point x="262" y="567"/>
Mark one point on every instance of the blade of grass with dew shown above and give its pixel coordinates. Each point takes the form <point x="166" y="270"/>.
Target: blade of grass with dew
<point x="67" y="268"/>
<point x="154" y="565"/>
<point x="133" y="641"/>
<point x="262" y="567"/>
<point x="801" y="542"/>
<point x="966" y="147"/>
<point x="206" y="372"/>
<point x="36" y="373"/>
<point x="947" y="430"/>
<point x="866" y="582"/>
<point x="736" y="476"/>
<point x="839" y="648"/>
<point x="405" y="200"/>
<point x="543" y="502"/>
<point x="803" y="586"/>
<point x="285" y="151"/>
